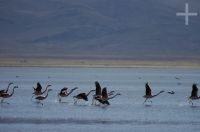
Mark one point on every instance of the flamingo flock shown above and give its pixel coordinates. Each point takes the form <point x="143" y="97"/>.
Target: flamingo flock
<point x="100" y="97"/>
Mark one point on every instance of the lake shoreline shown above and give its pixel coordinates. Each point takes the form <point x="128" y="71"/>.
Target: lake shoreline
<point x="96" y="63"/>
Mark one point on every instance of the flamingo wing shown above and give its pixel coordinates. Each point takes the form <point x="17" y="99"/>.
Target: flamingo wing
<point x="63" y="90"/>
<point x="82" y="96"/>
<point x="148" y="90"/>
<point x="39" y="87"/>
<point x="98" y="88"/>
<point x="194" y="92"/>
<point x="104" y="93"/>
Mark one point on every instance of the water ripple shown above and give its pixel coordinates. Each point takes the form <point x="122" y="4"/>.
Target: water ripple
<point x="19" y="120"/>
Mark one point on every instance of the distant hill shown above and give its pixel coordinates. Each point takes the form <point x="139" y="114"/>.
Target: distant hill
<point x="105" y="29"/>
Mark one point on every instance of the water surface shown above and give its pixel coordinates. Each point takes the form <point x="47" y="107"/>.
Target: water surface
<point x="126" y="112"/>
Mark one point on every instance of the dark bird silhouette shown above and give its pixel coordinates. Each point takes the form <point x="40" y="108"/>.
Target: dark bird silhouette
<point x="82" y="96"/>
<point x="64" y="93"/>
<point x="148" y="94"/>
<point x="177" y="78"/>
<point x="38" y="90"/>
<point x="171" y="92"/>
<point x="5" y="90"/>
<point x="98" y="88"/>
<point x="103" y="99"/>
<point x="7" y="95"/>
<point x="194" y="94"/>
<point x="97" y="92"/>
<point x="40" y="98"/>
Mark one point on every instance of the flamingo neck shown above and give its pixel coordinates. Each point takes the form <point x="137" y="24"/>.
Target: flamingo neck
<point x="156" y="94"/>
<point x="45" y="89"/>
<point x="113" y="96"/>
<point x="89" y="93"/>
<point x="13" y="91"/>
<point x="70" y="91"/>
<point x="8" y="87"/>
<point x="46" y="95"/>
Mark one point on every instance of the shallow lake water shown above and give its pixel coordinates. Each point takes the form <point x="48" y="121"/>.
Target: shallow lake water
<point x="126" y="112"/>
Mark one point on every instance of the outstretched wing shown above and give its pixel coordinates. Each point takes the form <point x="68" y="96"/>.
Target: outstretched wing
<point x="63" y="90"/>
<point x="39" y="87"/>
<point x="81" y="96"/>
<point x="104" y="93"/>
<point x="194" y="92"/>
<point x="98" y="88"/>
<point x="104" y="101"/>
<point x="148" y="89"/>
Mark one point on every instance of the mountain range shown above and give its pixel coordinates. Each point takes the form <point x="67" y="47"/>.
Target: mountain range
<point x="99" y="29"/>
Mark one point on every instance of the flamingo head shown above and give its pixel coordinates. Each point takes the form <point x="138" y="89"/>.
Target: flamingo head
<point x="16" y="87"/>
<point x="10" y="83"/>
<point x="162" y="91"/>
<point x="75" y="88"/>
<point x="118" y="94"/>
<point x="49" y="90"/>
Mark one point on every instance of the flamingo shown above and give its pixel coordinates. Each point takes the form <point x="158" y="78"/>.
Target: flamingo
<point x="40" y="98"/>
<point x="63" y="92"/>
<point x="194" y="94"/>
<point x="105" y="97"/>
<point x="38" y="89"/>
<point x="98" y="93"/>
<point x="6" y="95"/>
<point x="5" y="90"/>
<point x="148" y="94"/>
<point x="82" y="96"/>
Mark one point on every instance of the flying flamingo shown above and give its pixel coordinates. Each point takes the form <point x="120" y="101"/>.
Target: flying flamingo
<point x="103" y="99"/>
<point x="82" y="96"/>
<point x="6" y="95"/>
<point x="38" y="90"/>
<point x="5" y="90"/>
<point x="40" y="98"/>
<point x="148" y="94"/>
<point x="98" y="93"/>
<point x="194" y="94"/>
<point x="63" y="92"/>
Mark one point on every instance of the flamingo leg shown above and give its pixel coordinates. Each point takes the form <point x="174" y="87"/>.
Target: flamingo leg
<point x="60" y="98"/>
<point x="6" y="102"/>
<point x="93" y="101"/>
<point x="145" y="100"/>
<point x="2" y="101"/>
<point x="75" y="101"/>
<point x="32" y="96"/>
<point x="190" y="102"/>
<point x="39" y="102"/>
